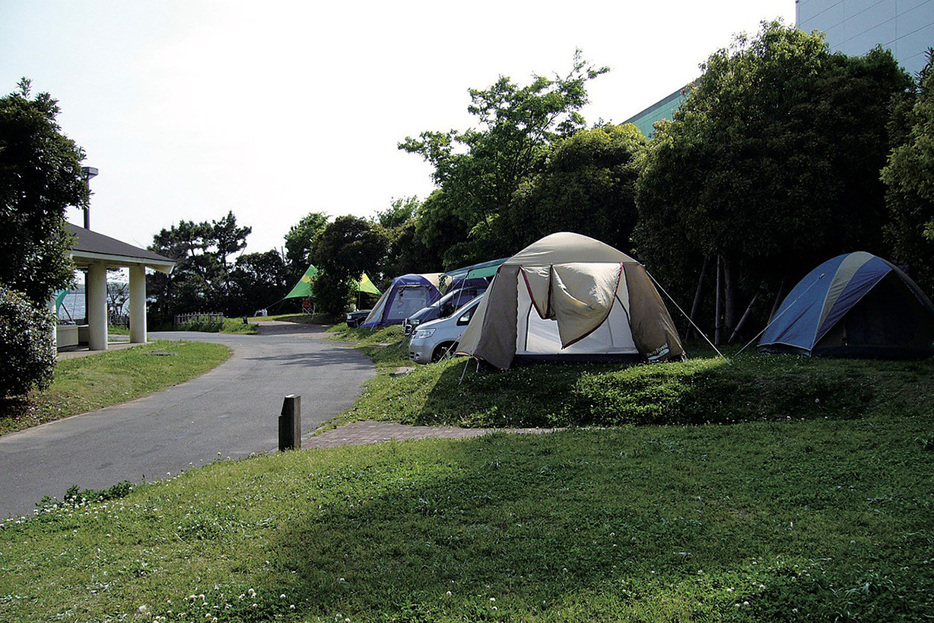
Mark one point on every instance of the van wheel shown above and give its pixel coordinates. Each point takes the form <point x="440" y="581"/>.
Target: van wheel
<point x="445" y="350"/>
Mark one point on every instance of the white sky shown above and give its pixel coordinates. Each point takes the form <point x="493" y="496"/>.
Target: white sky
<point x="191" y="108"/>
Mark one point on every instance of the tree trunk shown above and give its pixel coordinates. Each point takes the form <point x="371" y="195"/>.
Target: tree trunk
<point x="695" y="307"/>
<point x="730" y="294"/>
<point x="717" y="311"/>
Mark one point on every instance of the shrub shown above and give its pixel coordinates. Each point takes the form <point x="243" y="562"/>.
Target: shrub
<point x="27" y="345"/>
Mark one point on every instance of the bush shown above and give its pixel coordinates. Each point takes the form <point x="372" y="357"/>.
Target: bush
<point x="27" y="345"/>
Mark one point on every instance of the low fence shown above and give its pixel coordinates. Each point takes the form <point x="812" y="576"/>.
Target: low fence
<point x="199" y="319"/>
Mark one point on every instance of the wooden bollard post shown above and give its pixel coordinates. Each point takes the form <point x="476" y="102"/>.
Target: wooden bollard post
<point x="290" y="424"/>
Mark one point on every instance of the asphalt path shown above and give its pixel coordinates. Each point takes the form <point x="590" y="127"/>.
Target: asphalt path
<point x="231" y="411"/>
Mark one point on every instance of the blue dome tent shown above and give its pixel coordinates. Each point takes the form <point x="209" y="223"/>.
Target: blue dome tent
<point x="407" y="294"/>
<point x="854" y="305"/>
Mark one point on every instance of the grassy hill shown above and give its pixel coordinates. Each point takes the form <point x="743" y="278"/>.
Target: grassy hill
<point x="772" y="489"/>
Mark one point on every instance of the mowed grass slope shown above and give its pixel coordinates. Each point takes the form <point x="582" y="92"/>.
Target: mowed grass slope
<point x="704" y="389"/>
<point x="772" y="489"/>
<point x="100" y="380"/>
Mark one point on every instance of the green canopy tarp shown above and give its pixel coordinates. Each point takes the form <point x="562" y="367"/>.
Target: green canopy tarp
<point x="305" y="286"/>
<point x="366" y="286"/>
<point x="303" y="289"/>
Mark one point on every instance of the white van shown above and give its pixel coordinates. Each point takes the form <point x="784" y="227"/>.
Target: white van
<point x="435" y="340"/>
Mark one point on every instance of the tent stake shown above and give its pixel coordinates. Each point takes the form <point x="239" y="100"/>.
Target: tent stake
<point x="696" y="328"/>
<point x="464" y="371"/>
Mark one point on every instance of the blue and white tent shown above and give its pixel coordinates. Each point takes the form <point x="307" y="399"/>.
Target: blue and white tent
<point x="407" y="294"/>
<point x="854" y="305"/>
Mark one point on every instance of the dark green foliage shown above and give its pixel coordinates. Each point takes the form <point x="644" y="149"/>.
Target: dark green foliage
<point x="257" y="281"/>
<point x="586" y="186"/>
<point x="348" y="247"/>
<point x="201" y="279"/>
<point x="771" y="163"/>
<point x="909" y="178"/>
<point x="27" y="345"/>
<point x="40" y="176"/>
<point x="407" y="253"/>
<point x="299" y="242"/>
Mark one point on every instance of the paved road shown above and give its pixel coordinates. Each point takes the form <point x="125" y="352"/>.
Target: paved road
<point x="231" y="411"/>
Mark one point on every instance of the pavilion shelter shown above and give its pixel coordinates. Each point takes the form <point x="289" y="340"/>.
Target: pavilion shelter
<point x="96" y="253"/>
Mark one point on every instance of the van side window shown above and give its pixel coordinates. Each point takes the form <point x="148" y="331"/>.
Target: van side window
<point x="465" y="317"/>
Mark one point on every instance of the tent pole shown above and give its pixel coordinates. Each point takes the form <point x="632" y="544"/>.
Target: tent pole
<point x="772" y="321"/>
<point x="742" y="320"/>
<point x="778" y="299"/>
<point x="675" y="303"/>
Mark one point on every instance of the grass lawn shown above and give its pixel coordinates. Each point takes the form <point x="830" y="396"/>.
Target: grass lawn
<point x="815" y="520"/>
<point x="772" y="489"/>
<point x="97" y="381"/>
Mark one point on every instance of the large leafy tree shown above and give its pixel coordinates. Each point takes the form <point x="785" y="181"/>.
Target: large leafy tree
<point x="40" y="176"/>
<point x="346" y="248"/>
<point x="445" y="236"/>
<point x="257" y="281"/>
<point x="909" y="178"/>
<point x="587" y="185"/>
<point x="479" y="169"/>
<point x="771" y="163"/>
<point x="300" y="242"/>
<point x="407" y="253"/>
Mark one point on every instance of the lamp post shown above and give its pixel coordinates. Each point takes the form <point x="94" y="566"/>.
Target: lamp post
<point x="89" y="172"/>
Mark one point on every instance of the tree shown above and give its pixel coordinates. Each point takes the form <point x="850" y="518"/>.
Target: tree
<point x="200" y="280"/>
<point x="587" y="186"/>
<point x="443" y="232"/>
<point x="40" y="176"/>
<point x="406" y="252"/>
<point x="257" y="280"/>
<point x="479" y="169"/>
<point x="348" y="247"/>
<point x="27" y="349"/>
<point x="771" y="164"/>
<point x="909" y="179"/>
<point x="228" y="239"/>
<point x="300" y="242"/>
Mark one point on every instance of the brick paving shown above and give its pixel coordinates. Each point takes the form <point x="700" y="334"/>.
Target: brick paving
<point x="363" y="433"/>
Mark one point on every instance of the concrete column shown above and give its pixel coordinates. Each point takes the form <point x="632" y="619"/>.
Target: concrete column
<point x="137" y="304"/>
<point x="97" y="307"/>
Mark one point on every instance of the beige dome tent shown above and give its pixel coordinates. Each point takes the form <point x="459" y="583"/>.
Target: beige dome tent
<point x="570" y="297"/>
